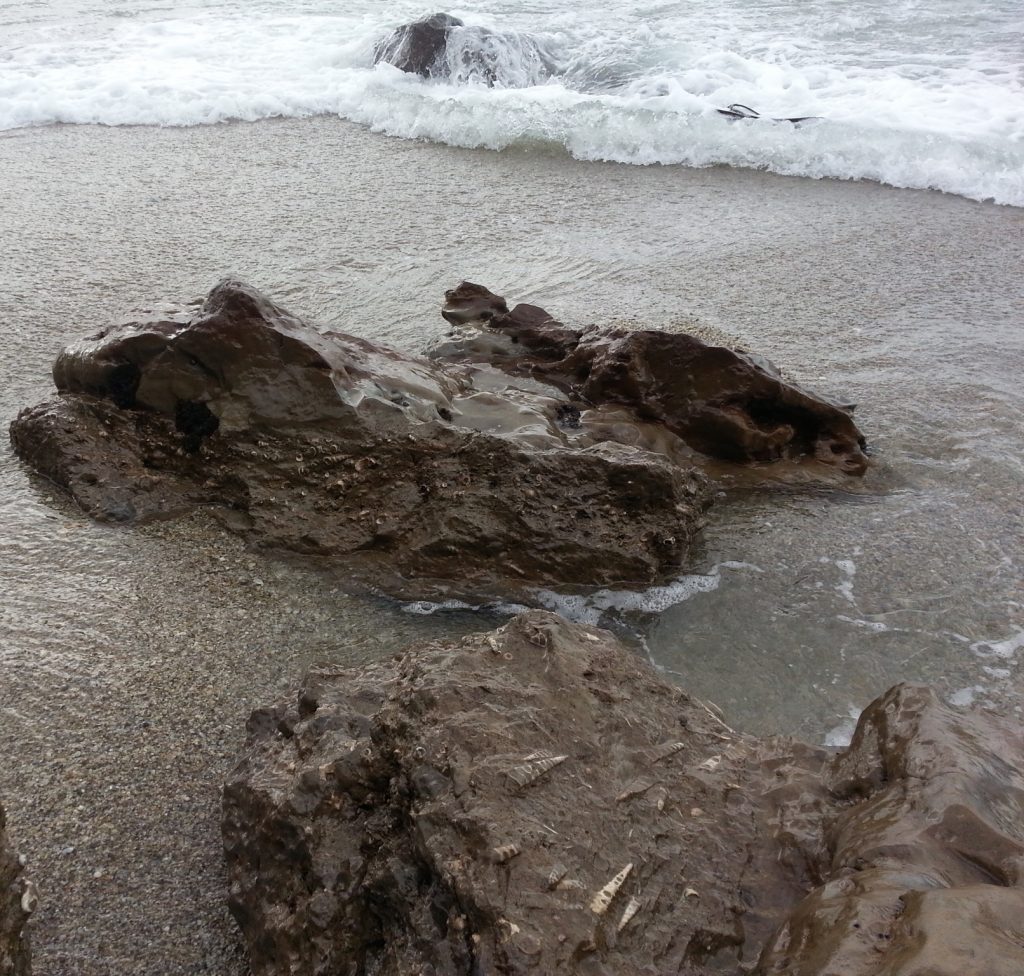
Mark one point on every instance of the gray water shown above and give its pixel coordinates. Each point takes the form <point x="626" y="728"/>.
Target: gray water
<point x="131" y="657"/>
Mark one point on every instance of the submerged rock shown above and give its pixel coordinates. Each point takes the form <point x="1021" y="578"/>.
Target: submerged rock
<point x="17" y="901"/>
<point x="443" y="47"/>
<point x="419" y="47"/>
<point x="722" y="402"/>
<point x="537" y="800"/>
<point x="330" y="445"/>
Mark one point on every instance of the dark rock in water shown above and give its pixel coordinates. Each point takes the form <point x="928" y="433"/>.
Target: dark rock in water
<point x="418" y="47"/>
<point x="442" y="47"/>
<point x="327" y="444"/>
<point x="724" y="403"/>
<point x="537" y="800"/>
<point x="17" y="901"/>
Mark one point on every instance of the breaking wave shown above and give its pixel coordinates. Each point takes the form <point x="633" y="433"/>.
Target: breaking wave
<point x="636" y="93"/>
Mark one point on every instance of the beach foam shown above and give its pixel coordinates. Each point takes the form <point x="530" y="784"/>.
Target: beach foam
<point x="631" y="90"/>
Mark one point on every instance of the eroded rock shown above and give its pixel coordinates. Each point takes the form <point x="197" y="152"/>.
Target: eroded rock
<point x="722" y="402"/>
<point x="925" y="871"/>
<point x="17" y="901"/>
<point x="532" y="800"/>
<point x="537" y="800"/>
<point x="330" y="445"/>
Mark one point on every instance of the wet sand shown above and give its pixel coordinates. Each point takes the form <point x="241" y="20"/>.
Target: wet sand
<point x="131" y="658"/>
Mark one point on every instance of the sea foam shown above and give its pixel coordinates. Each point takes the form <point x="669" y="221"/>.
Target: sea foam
<point x="637" y="92"/>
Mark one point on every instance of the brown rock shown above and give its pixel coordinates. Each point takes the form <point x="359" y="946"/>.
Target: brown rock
<point x="515" y="802"/>
<point x="724" y="403"/>
<point x="924" y="874"/>
<point x="537" y="800"/>
<point x="326" y="444"/>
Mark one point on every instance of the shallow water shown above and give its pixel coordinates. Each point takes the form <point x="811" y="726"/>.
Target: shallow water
<point x="800" y="605"/>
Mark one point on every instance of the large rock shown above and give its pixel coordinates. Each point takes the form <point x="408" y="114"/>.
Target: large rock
<point x="462" y="809"/>
<point x="17" y="900"/>
<point x="722" y="402"/>
<point x="925" y="868"/>
<point x="537" y="800"/>
<point x="326" y="444"/>
<point x="443" y="47"/>
<point x="419" y="47"/>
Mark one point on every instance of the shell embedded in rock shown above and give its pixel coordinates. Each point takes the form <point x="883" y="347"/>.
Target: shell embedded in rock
<point x="29" y="898"/>
<point x="600" y="902"/>
<point x="504" y="852"/>
<point x="636" y="788"/>
<point x="558" y="871"/>
<point x="534" y="766"/>
<point x="665" y="750"/>
<point x="710" y="764"/>
<point x="628" y="913"/>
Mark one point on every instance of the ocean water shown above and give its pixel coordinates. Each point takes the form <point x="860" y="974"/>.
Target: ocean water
<point x="911" y="93"/>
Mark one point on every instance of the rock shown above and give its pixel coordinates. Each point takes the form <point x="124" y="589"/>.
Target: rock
<point x="443" y="47"/>
<point x="925" y="872"/>
<point x="17" y="901"/>
<point x="330" y="445"/>
<point x="724" y="403"/>
<point x="514" y="802"/>
<point x="418" y="47"/>
<point x="536" y="799"/>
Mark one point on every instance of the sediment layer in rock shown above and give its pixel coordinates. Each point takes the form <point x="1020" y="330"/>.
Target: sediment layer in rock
<point x="537" y="800"/>
<point x="17" y="899"/>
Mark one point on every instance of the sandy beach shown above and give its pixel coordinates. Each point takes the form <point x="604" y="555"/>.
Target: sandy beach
<point x="132" y="657"/>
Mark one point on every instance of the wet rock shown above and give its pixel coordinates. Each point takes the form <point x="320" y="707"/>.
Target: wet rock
<point x="333" y="446"/>
<point x="536" y="799"/>
<point x="17" y="901"/>
<point x="724" y="403"/>
<point x="925" y="870"/>
<point x="531" y="800"/>
<point x="418" y="47"/>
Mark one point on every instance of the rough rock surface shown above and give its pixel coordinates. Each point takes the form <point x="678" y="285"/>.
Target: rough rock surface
<point x="418" y="47"/>
<point x="537" y="800"/>
<point x="326" y="444"/>
<point x="16" y="902"/>
<point x="724" y="403"/>
<point x="924" y="874"/>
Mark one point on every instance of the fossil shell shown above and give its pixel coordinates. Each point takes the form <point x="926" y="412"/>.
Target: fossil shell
<point x="600" y="902"/>
<point x="665" y="750"/>
<point x="710" y="764"/>
<point x="534" y="766"/>
<point x="558" y="871"/>
<point x="691" y="893"/>
<point x="504" y="853"/>
<point x="636" y="788"/>
<point x="628" y="913"/>
<point x="29" y="898"/>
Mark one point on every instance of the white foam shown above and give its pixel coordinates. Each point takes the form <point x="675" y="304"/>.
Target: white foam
<point x="841" y="735"/>
<point x="590" y="609"/>
<point x="966" y="696"/>
<point x="1005" y="649"/>
<point x="621" y="91"/>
